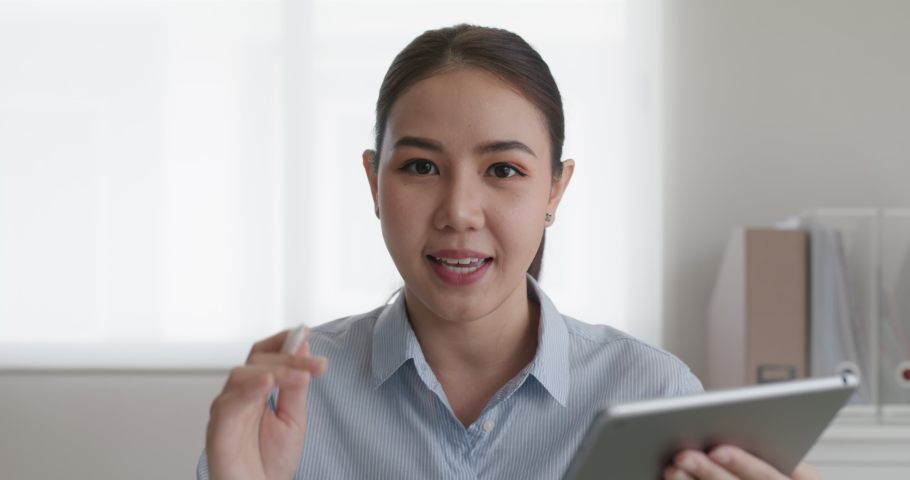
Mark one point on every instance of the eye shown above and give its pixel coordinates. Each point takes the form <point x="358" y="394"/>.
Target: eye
<point x="505" y="170"/>
<point x="421" y="167"/>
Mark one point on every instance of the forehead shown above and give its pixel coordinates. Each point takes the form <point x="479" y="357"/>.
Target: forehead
<point x="464" y="107"/>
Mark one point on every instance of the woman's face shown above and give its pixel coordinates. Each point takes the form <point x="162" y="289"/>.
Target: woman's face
<point x="462" y="189"/>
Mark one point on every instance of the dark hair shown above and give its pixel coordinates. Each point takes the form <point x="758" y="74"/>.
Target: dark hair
<point x="499" y="52"/>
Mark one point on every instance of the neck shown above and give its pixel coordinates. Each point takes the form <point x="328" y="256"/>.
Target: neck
<point x="496" y="345"/>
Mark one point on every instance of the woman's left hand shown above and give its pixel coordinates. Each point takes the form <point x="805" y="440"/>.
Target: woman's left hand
<point x="726" y="462"/>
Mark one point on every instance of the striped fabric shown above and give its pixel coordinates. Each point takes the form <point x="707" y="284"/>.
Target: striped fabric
<point x="380" y="413"/>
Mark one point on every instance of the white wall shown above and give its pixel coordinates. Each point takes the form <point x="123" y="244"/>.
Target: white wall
<point x="774" y="107"/>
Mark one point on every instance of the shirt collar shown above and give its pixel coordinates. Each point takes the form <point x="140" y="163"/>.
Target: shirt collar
<point x="394" y="343"/>
<point x="551" y="364"/>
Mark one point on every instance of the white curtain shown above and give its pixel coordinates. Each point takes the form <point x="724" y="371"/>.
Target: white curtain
<point x="181" y="178"/>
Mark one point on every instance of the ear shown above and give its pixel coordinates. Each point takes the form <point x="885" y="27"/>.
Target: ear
<point x="372" y="177"/>
<point x="559" y="187"/>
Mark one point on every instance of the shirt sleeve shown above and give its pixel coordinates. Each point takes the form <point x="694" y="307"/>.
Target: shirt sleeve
<point x="689" y="384"/>
<point x="202" y="468"/>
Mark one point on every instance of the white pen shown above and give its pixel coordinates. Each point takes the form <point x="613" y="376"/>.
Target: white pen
<point x="294" y="339"/>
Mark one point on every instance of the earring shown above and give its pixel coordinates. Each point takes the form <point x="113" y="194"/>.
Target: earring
<point x="549" y="217"/>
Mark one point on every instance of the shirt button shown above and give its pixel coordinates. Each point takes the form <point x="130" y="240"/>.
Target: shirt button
<point x="488" y="425"/>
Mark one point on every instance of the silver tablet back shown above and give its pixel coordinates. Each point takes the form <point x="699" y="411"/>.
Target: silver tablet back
<point x="777" y="422"/>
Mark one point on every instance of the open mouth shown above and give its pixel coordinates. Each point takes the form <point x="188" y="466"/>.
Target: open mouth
<point x="461" y="266"/>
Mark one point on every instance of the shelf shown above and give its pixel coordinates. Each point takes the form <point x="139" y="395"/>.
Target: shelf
<point x="862" y="444"/>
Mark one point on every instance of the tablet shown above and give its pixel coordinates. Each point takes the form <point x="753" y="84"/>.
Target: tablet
<point x="777" y="422"/>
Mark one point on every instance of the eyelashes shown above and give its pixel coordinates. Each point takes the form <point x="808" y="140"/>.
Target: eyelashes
<point x="421" y="167"/>
<point x="505" y="168"/>
<point x="425" y="167"/>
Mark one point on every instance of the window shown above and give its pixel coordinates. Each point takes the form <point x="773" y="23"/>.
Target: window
<point x="181" y="178"/>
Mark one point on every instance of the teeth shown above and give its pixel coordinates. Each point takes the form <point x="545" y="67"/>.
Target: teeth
<point x="460" y="270"/>
<point x="458" y="261"/>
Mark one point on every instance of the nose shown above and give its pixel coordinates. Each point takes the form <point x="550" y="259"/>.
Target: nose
<point x="461" y="202"/>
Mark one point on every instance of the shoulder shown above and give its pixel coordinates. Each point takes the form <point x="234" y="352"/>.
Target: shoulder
<point x="635" y="368"/>
<point x="588" y="336"/>
<point x="344" y="332"/>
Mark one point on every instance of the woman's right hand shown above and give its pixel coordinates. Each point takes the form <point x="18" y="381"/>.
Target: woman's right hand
<point x="245" y="439"/>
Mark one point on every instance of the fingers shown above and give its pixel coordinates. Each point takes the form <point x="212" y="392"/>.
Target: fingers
<point x="246" y="392"/>
<point x="674" y="473"/>
<point x="243" y="428"/>
<point x="301" y="366"/>
<point x="697" y="465"/>
<point x="264" y="351"/>
<point x="291" y="407"/>
<point x="727" y="462"/>
<point x="254" y="383"/>
<point x="271" y="344"/>
<point x="804" y="471"/>
<point x="744" y="464"/>
<point x="315" y="365"/>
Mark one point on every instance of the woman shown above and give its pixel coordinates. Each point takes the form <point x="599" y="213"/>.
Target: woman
<point x="472" y="371"/>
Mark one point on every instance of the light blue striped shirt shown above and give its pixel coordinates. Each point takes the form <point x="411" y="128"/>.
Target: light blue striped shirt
<point x="380" y="413"/>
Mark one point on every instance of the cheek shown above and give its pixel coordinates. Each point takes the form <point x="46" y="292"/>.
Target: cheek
<point x="519" y="224"/>
<point x="402" y="217"/>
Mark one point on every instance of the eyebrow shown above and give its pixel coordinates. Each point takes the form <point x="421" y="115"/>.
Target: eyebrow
<point x="492" y="147"/>
<point x="418" y="143"/>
